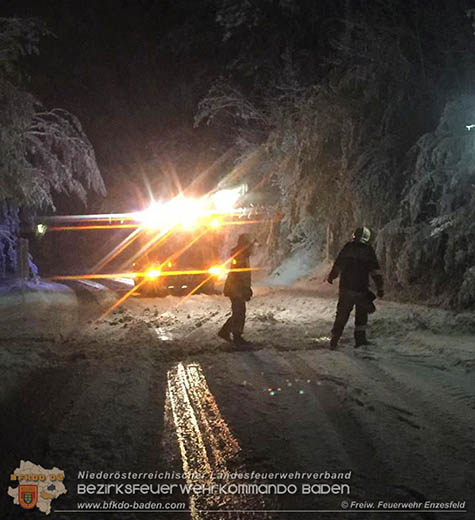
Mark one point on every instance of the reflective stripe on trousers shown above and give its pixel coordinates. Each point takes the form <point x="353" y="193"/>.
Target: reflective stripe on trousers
<point x="346" y="301"/>
<point x="235" y="322"/>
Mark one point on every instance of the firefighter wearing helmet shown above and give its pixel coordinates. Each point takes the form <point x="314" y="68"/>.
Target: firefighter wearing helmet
<point x="355" y="263"/>
<point x="238" y="289"/>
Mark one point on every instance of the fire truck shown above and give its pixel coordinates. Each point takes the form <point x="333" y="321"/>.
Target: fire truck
<point x="180" y="261"/>
<point x="178" y="246"/>
<point x="183" y="244"/>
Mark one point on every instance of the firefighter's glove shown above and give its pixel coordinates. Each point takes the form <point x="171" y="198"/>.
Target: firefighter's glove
<point x="380" y="293"/>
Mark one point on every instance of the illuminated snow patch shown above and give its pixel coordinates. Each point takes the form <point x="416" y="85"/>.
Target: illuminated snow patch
<point x="162" y="334"/>
<point x="206" y="444"/>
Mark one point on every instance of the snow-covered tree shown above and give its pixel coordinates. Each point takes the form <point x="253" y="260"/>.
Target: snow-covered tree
<point x="350" y="134"/>
<point x="431" y="244"/>
<point x="41" y="151"/>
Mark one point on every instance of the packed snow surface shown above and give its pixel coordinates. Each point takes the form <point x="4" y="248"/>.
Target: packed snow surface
<point x="399" y="414"/>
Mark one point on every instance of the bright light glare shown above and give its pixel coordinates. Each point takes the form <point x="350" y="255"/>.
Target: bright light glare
<point x="224" y="200"/>
<point x="152" y="218"/>
<point x="152" y="274"/>
<point x="187" y="212"/>
<point x="216" y="270"/>
<point x="176" y="212"/>
<point x="41" y="229"/>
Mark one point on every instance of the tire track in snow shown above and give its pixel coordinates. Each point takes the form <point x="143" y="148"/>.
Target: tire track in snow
<point x="207" y="446"/>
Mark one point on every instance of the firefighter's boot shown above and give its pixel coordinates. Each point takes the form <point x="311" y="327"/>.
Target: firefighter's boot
<point x="239" y="340"/>
<point x="224" y="334"/>
<point x="360" y="339"/>
<point x="337" y="331"/>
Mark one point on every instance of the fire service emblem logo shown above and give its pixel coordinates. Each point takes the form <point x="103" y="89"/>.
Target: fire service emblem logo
<point x="28" y="495"/>
<point x="37" y="486"/>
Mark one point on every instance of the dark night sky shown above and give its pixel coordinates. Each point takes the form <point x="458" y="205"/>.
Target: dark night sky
<point x="114" y="65"/>
<point x="131" y="73"/>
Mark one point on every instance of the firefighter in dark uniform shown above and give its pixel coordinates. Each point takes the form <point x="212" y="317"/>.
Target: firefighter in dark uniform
<point x="355" y="263"/>
<point x="238" y="289"/>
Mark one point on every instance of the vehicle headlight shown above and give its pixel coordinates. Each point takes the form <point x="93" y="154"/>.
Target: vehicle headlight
<point x="152" y="274"/>
<point x="216" y="270"/>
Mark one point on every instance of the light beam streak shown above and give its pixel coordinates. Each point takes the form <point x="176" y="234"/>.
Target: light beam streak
<point x="104" y="276"/>
<point x="193" y="291"/>
<point x="133" y="274"/>
<point x="117" y="250"/>
<point x="93" y="227"/>
<point x="158" y="239"/>
<point x="120" y="301"/>
<point x="101" y="217"/>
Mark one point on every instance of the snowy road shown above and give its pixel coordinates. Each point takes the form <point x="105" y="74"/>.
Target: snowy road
<point x="151" y="388"/>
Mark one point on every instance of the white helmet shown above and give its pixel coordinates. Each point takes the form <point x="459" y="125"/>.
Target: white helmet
<point x="362" y="234"/>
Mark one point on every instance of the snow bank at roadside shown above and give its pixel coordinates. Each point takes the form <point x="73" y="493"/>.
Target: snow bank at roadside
<point x="300" y="263"/>
<point x="11" y="286"/>
<point x="26" y="309"/>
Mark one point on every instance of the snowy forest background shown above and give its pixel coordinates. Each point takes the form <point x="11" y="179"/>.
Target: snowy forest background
<point x="42" y="151"/>
<point x="342" y="113"/>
